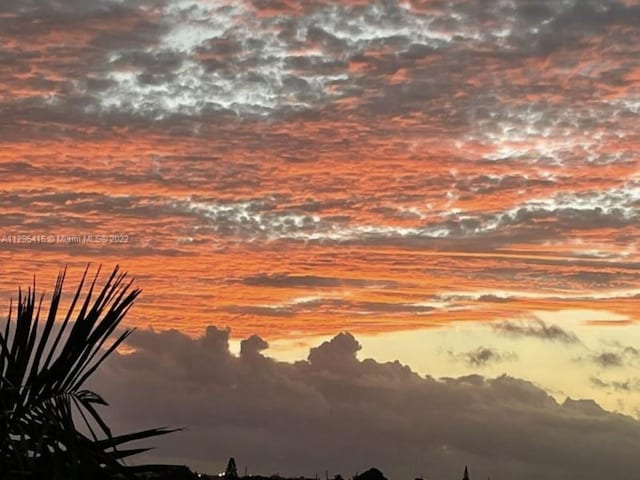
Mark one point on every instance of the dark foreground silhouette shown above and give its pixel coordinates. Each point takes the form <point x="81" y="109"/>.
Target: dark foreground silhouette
<point x="231" y="474"/>
<point x="50" y="426"/>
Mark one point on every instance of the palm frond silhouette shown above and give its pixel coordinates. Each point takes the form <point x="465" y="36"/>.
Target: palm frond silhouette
<point x="50" y="426"/>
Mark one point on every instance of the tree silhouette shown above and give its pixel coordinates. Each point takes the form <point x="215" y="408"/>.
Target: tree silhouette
<point x="466" y="473"/>
<point x="231" y="472"/>
<point x="371" y="474"/>
<point x="43" y="366"/>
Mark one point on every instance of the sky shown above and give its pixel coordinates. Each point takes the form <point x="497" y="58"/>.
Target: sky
<point x="441" y="199"/>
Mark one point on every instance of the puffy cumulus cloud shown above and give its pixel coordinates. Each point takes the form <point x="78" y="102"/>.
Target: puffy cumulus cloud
<point x="483" y="356"/>
<point x="537" y="329"/>
<point x="338" y="354"/>
<point x="335" y="411"/>
<point x="252" y="346"/>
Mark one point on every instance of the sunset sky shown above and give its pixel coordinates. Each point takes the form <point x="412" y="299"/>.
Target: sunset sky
<point x="454" y="183"/>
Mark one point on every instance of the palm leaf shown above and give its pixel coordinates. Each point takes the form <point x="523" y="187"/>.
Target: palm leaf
<point x="41" y="378"/>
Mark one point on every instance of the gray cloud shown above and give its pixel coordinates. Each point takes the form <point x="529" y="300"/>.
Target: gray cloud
<point x="620" y="386"/>
<point x="483" y="356"/>
<point x="223" y="57"/>
<point x="617" y="355"/>
<point x="538" y="218"/>
<point x="313" y="281"/>
<point x="608" y="359"/>
<point x="326" y="305"/>
<point x="536" y="329"/>
<point x="337" y="412"/>
<point x="448" y="65"/>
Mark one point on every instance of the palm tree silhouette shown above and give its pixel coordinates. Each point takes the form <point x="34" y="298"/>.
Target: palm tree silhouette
<point x="43" y="366"/>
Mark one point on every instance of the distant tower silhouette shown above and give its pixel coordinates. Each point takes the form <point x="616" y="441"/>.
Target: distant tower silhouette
<point x="231" y="473"/>
<point x="466" y="473"/>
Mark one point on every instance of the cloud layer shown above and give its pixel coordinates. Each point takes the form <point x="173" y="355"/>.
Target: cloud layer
<point x="301" y="417"/>
<point x="405" y="141"/>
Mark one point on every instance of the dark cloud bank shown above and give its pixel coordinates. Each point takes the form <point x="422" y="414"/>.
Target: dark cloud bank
<point x="337" y="412"/>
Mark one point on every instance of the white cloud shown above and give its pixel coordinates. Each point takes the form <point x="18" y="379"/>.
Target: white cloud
<point x="259" y="71"/>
